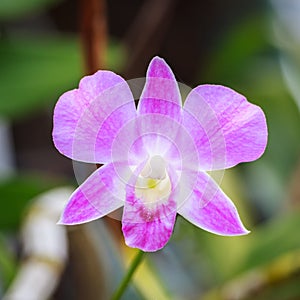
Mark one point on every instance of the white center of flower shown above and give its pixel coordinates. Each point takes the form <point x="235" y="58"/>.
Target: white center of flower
<point x="153" y="183"/>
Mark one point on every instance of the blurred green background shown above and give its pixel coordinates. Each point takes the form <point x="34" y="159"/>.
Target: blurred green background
<point x="251" y="46"/>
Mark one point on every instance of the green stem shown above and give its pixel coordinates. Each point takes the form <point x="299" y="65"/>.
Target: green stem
<point x="124" y="283"/>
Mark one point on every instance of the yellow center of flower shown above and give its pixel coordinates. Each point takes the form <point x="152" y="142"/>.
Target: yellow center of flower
<point x="153" y="183"/>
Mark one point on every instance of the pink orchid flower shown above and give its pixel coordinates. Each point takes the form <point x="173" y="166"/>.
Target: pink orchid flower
<point x="155" y="157"/>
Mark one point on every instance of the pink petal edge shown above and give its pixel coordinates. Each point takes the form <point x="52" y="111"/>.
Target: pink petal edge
<point x="218" y="215"/>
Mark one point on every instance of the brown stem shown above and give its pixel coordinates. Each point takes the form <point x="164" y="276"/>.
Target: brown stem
<point x="93" y="27"/>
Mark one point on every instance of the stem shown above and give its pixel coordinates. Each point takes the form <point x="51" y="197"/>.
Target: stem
<point x="124" y="283"/>
<point x="93" y="27"/>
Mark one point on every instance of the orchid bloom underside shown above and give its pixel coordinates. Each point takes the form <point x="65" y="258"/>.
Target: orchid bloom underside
<point x="155" y="157"/>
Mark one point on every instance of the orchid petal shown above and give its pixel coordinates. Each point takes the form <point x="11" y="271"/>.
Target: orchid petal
<point x="226" y="128"/>
<point x="161" y="92"/>
<point x="102" y="193"/>
<point x="147" y="226"/>
<point x="87" y="119"/>
<point x="210" y="209"/>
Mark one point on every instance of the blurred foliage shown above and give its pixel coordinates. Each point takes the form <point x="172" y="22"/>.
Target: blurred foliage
<point x="287" y="39"/>
<point x="16" y="193"/>
<point x="35" y="71"/>
<point x="10" y="9"/>
<point x="271" y="250"/>
<point x="8" y="264"/>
